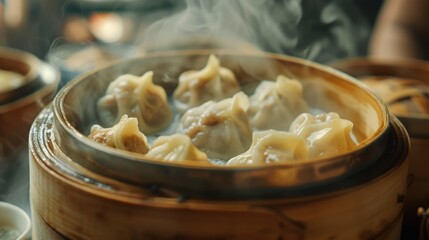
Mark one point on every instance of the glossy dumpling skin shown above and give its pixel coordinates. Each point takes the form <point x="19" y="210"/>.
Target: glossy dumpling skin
<point x="220" y="129"/>
<point x="176" y="148"/>
<point x="274" y="105"/>
<point x="327" y="134"/>
<point x="273" y="146"/>
<point x="137" y="97"/>
<point x="213" y="82"/>
<point x="124" y="135"/>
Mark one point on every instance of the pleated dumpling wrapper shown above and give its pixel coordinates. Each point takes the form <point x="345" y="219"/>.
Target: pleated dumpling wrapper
<point x="274" y="105"/>
<point x="220" y="129"/>
<point x="137" y="97"/>
<point x="213" y="82"/>
<point x="273" y="146"/>
<point x="327" y="134"/>
<point x="176" y="148"/>
<point x="124" y="135"/>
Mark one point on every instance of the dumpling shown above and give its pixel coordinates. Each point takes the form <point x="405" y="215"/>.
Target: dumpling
<point x="273" y="146"/>
<point x="125" y="135"/>
<point x="213" y="82"/>
<point x="176" y="148"/>
<point x="274" y="105"/>
<point x="137" y="97"/>
<point x="220" y="129"/>
<point x="327" y="134"/>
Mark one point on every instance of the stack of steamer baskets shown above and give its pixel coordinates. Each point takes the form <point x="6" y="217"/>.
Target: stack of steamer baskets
<point x="81" y="189"/>
<point x="26" y="86"/>
<point x="404" y="86"/>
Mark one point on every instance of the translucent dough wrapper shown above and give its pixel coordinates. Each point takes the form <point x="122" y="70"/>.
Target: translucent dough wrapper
<point x="125" y="135"/>
<point x="137" y="97"/>
<point x="274" y="105"/>
<point x="273" y="147"/>
<point x="220" y="129"/>
<point x="327" y="134"/>
<point x="213" y="82"/>
<point x="176" y="148"/>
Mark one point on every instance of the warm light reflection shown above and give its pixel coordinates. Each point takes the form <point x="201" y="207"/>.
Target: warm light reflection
<point x="107" y="27"/>
<point x="15" y="12"/>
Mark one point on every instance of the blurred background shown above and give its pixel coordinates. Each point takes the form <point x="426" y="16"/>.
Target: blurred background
<point x="320" y="30"/>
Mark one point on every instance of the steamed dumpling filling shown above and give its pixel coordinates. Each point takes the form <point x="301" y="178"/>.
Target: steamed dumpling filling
<point x="124" y="135"/>
<point x="212" y="83"/>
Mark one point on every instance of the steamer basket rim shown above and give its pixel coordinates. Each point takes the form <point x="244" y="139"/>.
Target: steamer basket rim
<point x="59" y="110"/>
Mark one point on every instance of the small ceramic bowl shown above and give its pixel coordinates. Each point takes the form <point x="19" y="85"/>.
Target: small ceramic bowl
<point x="14" y="222"/>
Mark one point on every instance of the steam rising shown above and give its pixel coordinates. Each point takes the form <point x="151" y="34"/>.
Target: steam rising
<point x="316" y="30"/>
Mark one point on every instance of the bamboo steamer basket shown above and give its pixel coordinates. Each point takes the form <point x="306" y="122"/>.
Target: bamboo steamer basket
<point x="19" y="106"/>
<point x="74" y="200"/>
<point x="339" y="94"/>
<point x="416" y="125"/>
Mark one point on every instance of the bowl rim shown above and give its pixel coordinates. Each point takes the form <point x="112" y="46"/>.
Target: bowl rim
<point x="23" y="217"/>
<point x="49" y="78"/>
<point x="24" y="57"/>
<point x="59" y="111"/>
<point x="32" y="79"/>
